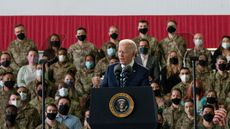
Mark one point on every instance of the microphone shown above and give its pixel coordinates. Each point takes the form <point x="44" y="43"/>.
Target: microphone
<point x="49" y="62"/>
<point x="117" y="71"/>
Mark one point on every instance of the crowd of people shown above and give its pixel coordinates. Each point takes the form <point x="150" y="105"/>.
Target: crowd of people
<point x="70" y="74"/>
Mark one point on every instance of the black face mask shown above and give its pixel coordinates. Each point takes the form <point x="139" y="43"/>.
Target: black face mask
<point x="51" y="116"/>
<point x="144" y="50"/>
<point x="21" y="36"/>
<point x="176" y="101"/>
<point x="222" y="67"/>
<point x="143" y="31"/>
<point x="114" y="36"/>
<point x="81" y="37"/>
<point x="9" y="84"/>
<point x="208" y="117"/>
<point x="11" y="117"/>
<point x="6" y="63"/>
<point x="173" y="60"/>
<point x="63" y="109"/>
<point x="211" y="100"/>
<point x="157" y="92"/>
<point x="171" y="29"/>
<point x="203" y="62"/>
<point x="56" y="44"/>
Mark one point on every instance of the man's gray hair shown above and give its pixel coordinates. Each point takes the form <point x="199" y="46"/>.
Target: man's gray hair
<point x="131" y="43"/>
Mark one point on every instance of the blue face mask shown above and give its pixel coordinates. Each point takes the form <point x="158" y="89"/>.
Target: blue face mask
<point x="89" y="64"/>
<point x="111" y="51"/>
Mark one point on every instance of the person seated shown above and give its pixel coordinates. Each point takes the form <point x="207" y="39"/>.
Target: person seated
<point x="63" y="116"/>
<point x="173" y="112"/>
<point x="27" y="73"/>
<point x="60" y="68"/>
<point x="221" y="78"/>
<point x="198" y="49"/>
<point x="186" y="121"/>
<point x="54" y="42"/>
<point x="207" y="121"/>
<point x="170" y="73"/>
<point x="36" y="102"/>
<point x="27" y="116"/>
<point x="204" y="73"/>
<point x="51" y="122"/>
<point x="9" y="121"/>
<point x="186" y="78"/>
<point x="149" y="61"/>
<point x="64" y="90"/>
<point x="103" y="63"/>
<point x="161" y="105"/>
<point x="224" y="50"/>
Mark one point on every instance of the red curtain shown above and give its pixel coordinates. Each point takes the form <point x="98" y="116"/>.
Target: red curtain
<point x="39" y="28"/>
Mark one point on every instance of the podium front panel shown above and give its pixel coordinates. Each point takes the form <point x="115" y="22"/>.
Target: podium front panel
<point x="143" y="115"/>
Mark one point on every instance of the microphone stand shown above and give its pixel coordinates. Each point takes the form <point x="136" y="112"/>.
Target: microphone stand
<point x="43" y="95"/>
<point x="194" y="59"/>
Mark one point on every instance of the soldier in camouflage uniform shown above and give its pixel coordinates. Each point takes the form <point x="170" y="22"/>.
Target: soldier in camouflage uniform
<point x="6" y="90"/>
<point x="59" y="69"/>
<point x="51" y="89"/>
<point x="204" y="73"/>
<point x="197" y="51"/>
<point x="221" y="78"/>
<point x="113" y="34"/>
<point x="5" y="64"/>
<point x="207" y="121"/>
<point x="143" y="27"/>
<point x="9" y="115"/>
<point x="103" y="63"/>
<point x="186" y="78"/>
<point x="186" y="121"/>
<point x="80" y="49"/>
<point x="19" y="48"/>
<point x="172" y="113"/>
<point x="28" y="117"/>
<point x="37" y="101"/>
<point x="51" y="123"/>
<point x="173" y="42"/>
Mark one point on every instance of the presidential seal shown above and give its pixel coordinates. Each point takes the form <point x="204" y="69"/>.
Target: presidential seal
<point x="121" y="105"/>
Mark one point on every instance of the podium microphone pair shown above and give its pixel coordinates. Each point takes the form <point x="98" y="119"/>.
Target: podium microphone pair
<point x="122" y="74"/>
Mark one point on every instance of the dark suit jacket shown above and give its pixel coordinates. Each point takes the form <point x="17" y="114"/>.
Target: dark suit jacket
<point x="138" y="77"/>
<point x="152" y="64"/>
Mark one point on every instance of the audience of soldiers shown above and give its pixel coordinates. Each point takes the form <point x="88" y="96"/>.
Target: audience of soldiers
<point x="71" y="73"/>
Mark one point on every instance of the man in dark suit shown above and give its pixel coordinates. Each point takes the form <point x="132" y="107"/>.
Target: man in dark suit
<point x="137" y="76"/>
<point x="147" y="60"/>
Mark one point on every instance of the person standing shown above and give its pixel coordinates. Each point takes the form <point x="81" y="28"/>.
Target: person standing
<point x="19" y="47"/>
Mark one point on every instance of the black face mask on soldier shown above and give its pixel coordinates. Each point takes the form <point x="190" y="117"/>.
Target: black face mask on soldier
<point x="9" y="84"/>
<point x="208" y="117"/>
<point x="51" y="116"/>
<point x="114" y="36"/>
<point x="81" y="37"/>
<point x="171" y="29"/>
<point x="143" y="30"/>
<point x="222" y="67"/>
<point x="6" y="63"/>
<point x="176" y="101"/>
<point x="21" y="36"/>
<point x="203" y="63"/>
